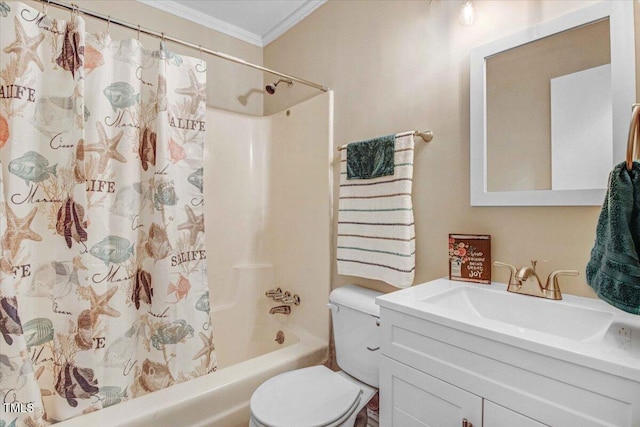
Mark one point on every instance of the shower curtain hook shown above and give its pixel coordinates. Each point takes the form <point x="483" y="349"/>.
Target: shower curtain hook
<point x="108" y="23"/>
<point x="202" y="66"/>
<point x="138" y="32"/>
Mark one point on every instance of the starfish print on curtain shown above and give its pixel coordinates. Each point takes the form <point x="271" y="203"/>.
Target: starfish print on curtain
<point x="18" y="229"/>
<point x="25" y="47"/>
<point x="197" y="92"/>
<point x="195" y="225"/>
<point x="106" y="148"/>
<point x="103" y="290"/>
<point x="207" y="348"/>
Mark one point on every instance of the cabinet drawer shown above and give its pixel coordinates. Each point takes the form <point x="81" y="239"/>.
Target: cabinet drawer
<point x="411" y="398"/>
<point x="499" y="416"/>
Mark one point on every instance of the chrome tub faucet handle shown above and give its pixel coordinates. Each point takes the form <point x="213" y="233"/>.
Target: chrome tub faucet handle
<point x="281" y="296"/>
<point x="291" y="299"/>
<point x="274" y="293"/>
<point x="284" y="298"/>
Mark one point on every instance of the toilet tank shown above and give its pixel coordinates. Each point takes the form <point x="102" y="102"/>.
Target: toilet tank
<point x="356" y="333"/>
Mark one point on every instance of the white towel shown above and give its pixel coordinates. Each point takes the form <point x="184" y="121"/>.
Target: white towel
<point x="376" y="234"/>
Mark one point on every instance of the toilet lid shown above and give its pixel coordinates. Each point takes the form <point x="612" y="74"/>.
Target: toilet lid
<point x="314" y="396"/>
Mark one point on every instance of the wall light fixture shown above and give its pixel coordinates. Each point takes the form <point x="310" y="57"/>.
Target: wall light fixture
<point x="467" y="13"/>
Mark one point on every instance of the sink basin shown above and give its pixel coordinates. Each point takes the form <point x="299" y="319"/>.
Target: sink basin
<point x="577" y="329"/>
<point x="569" y="362"/>
<point x="565" y="320"/>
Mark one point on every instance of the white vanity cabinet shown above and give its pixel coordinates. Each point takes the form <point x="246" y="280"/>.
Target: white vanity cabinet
<point x="411" y="398"/>
<point x="442" y="365"/>
<point x="496" y="415"/>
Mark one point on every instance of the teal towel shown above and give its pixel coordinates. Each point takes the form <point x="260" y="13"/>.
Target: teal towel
<point x="614" y="268"/>
<point x="372" y="158"/>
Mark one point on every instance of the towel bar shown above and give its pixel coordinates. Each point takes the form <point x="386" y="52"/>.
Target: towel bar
<point x="426" y="136"/>
<point x="634" y="131"/>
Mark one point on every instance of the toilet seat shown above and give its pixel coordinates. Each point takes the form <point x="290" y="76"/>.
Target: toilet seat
<point x="312" y="397"/>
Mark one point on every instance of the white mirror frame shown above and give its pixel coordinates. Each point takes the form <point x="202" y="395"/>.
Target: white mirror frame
<point x="623" y="81"/>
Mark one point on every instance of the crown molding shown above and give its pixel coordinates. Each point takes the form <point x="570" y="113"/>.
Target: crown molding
<point x="296" y="16"/>
<point x="192" y="15"/>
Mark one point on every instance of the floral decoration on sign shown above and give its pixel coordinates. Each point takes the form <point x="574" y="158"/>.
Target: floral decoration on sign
<point x="458" y="252"/>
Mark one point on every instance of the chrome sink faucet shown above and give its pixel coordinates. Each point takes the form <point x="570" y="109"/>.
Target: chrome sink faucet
<point x="527" y="281"/>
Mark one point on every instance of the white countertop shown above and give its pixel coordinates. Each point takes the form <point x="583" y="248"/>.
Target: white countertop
<point x="575" y="329"/>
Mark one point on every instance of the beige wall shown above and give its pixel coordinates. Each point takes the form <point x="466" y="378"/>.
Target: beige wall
<point x="227" y="82"/>
<point x="400" y="65"/>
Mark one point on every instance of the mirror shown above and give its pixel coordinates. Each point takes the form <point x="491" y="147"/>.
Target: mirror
<point x="550" y="109"/>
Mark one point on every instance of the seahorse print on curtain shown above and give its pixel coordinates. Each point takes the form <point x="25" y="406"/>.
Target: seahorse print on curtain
<point x="103" y="266"/>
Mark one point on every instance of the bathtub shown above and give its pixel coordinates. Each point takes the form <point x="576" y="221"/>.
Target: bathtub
<point x="217" y="399"/>
<point x="248" y="354"/>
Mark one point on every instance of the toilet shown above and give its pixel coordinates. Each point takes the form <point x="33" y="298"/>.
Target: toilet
<point x="318" y="396"/>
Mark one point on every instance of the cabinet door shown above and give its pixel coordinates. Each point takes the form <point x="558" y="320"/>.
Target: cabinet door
<point x="410" y="398"/>
<point x="499" y="416"/>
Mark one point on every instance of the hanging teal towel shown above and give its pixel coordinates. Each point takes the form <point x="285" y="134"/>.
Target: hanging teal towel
<point x="372" y="158"/>
<point x="614" y="268"/>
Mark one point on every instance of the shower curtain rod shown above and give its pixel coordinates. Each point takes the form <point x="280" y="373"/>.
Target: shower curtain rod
<point x="163" y="36"/>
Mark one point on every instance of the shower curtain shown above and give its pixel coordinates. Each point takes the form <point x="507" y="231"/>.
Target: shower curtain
<point x="103" y="291"/>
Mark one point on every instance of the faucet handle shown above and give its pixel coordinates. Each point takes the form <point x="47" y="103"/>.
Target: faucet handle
<point x="552" y="288"/>
<point x="281" y="296"/>
<point x="288" y="300"/>
<point x="513" y="270"/>
<point x="273" y="293"/>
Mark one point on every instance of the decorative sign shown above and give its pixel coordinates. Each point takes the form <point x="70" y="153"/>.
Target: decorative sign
<point x="470" y="258"/>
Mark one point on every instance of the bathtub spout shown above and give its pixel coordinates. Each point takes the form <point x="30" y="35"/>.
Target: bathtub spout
<point x="282" y="309"/>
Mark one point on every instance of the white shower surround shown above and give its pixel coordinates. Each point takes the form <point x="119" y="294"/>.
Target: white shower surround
<point x="267" y="183"/>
